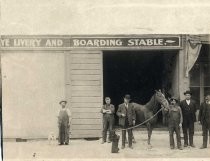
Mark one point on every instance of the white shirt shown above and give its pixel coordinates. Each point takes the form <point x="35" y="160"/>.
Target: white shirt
<point x="188" y="102"/>
<point x="126" y="105"/>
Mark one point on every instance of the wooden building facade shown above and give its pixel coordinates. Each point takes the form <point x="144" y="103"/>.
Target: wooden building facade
<point x="39" y="71"/>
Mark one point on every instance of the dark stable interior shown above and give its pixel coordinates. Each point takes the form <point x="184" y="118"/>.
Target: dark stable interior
<point x="138" y="73"/>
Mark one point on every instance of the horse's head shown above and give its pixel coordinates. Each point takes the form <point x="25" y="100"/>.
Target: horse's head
<point x="160" y="98"/>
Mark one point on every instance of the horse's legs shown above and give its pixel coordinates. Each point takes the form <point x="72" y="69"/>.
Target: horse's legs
<point x="149" y="130"/>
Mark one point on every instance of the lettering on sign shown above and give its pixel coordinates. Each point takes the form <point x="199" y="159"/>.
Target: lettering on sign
<point x="27" y="42"/>
<point x="41" y="42"/>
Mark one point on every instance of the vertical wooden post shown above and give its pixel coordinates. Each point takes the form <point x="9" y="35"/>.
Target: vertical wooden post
<point x="1" y="128"/>
<point x="201" y="82"/>
<point x="184" y="82"/>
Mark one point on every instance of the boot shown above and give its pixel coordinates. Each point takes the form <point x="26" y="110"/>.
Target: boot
<point x="185" y="140"/>
<point x="191" y="141"/>
<point x="203" y="147"/>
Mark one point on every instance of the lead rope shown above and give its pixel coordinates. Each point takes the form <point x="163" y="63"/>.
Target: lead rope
<point x="142" y="122"/>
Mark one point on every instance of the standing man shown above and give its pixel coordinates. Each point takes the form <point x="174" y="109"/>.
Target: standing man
<point x="108" y="119"/>
<point x="127" y="118"/>
<point x="175" y="120"/>
<point x="205" y="120"/>
<point x="188" y="107"/>
<point x="64" y="117"/>
<point x="201" y="110"/>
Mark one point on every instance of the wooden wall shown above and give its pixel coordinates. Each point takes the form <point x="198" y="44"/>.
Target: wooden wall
<point x="84" y="92"/>
<point x="33" y="83"/>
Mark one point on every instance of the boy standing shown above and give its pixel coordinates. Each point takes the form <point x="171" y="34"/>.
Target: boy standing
<point x="108" y="119"/>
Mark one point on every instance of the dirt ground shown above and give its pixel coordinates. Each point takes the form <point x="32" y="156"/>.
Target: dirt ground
<point x="80" y="148"/>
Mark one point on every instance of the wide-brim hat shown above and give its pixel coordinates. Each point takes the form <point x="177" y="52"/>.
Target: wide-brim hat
<point x="128" y="97"/>
<point x="187" y="92"/>
<point x="63" y="101"/>
<point x="173" y="98"/>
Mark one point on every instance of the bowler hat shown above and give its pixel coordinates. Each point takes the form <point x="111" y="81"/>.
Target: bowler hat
<point x="127" y="96"/>
<point x="63" y="101"/>
<point x="187" y="92"/>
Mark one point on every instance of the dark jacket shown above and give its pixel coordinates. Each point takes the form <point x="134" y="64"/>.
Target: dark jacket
<point x="201" y="111"/>
<point x="205" y="116"/>
<point x="188" y="111"/>
<point x="128" y="112"/>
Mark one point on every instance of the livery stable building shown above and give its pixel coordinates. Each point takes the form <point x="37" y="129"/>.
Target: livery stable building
<point x="38" y="71"/>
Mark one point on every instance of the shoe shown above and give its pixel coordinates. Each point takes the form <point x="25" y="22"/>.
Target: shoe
<point x="185" y="145"/>
<point x="203" y="147"/>
<point x="60" y="144"/>
<point x="180" y="148"/>
<point x="192" y="145"/>
<point x="131" y="147"/>
<point x="122" y="147"/>
<point x="109" y="141"/>
<point x="172" y="147"/>
<point x="103" y="142"/>
<point x="66" y="143"/>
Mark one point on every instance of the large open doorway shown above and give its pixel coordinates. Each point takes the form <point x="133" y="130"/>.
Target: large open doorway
<point x="138" y="73"/>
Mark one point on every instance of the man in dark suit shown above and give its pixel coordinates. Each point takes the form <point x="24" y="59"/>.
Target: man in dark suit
<point x="127" y="118"/>
<point x="188" y="107"/>
<point x="201" y="109"/>
<point x="204" y="118"/>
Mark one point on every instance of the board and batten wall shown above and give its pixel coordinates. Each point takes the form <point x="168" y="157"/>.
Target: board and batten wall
<point x="84" y="92"/>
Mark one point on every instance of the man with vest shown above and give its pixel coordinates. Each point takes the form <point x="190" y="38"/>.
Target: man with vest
<point x="188" y="107"/>
<point x="127" y="118"/>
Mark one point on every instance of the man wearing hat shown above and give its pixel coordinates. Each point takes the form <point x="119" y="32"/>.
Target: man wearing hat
<point x="201" y="109"/>
<point x="127" y="118"/>
<point x="108" y="119"/>
<point x="175" y="120"/>
<point x="204" y="117"/>
<point x="64" y="117"/>
<point x="189" y="108"/>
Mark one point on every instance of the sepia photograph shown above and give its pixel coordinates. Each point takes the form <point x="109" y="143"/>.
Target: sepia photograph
<point x="105" y="80"/>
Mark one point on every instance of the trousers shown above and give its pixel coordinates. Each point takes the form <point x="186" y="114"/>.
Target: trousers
<point x="63" y="134"/>
<point x="175" y="129"/>
<point x="130" y="135"/>
<point x="188" y="132"/>
<point x="206" y="130"/>
<point x="108" y="123"/>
